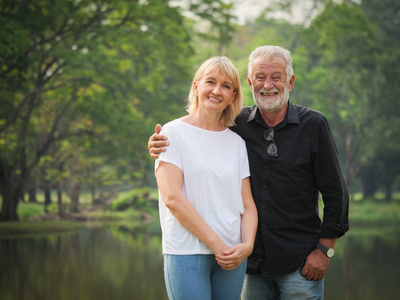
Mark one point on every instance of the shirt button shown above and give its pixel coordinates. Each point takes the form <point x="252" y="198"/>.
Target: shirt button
<point x="264" y="186"/>
<point x="263" y="206"/>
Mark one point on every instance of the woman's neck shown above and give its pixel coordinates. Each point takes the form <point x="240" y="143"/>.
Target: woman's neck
<point x="208" y="122"/>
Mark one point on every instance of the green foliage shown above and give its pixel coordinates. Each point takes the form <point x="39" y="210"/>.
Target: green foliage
<point x="216" y="24"/>
<point x="342" y="47"/>
<point x="84" y="82"/>
<point x="30" y="210"/>
<point x="374" y="213"/>
<point x="142" y="199"/>
<point x="126" y="216"/>
<point x="79" y="87"/>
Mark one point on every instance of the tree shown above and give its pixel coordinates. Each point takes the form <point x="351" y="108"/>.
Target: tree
<point x="383" y="143"/>
<point x="216" y="22"/>
<point x="342" y="46"/>
<point x="71" y="69"/>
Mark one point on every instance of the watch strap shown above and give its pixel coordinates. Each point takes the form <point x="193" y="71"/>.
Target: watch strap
<point x="328" y="251"/>
<point x="322" y="248"/>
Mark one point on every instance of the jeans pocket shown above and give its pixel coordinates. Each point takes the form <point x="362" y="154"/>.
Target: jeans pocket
<point x="182" y="263"/>
<point x="302" y="264"/>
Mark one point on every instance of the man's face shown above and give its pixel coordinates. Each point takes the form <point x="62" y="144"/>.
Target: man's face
<point x="269" y="84"/>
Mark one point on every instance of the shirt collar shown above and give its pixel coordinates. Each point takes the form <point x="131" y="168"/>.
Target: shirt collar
<point x="292" y="116"/>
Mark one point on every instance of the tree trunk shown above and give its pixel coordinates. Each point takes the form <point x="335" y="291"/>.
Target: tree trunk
<point x="388" y="192"/>
<point x="61" y="212"/>
<point x="93" y="193"/>
<point x="75" y="190"/>
<point x="9" y="204"/>
<point x="11" y="189"/>
<point x="47" y="196"/>
<point x="369" y="181"/>
<point x="32" y="192"/>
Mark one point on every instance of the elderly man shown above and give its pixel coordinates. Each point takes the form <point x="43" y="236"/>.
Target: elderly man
<point x="293" y="158"/>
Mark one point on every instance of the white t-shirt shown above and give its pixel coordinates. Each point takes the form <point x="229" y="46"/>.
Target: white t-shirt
<point x="213" y="165"/>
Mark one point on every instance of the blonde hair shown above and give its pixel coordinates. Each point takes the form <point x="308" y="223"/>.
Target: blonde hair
<point x="223" y="65"/>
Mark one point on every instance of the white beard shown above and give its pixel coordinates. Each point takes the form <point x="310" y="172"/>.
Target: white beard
<point x="273" y="104"/>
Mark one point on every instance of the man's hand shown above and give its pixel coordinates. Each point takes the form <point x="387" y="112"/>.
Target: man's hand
<point x="316" y="264"/>
<point x="156" y="143"/>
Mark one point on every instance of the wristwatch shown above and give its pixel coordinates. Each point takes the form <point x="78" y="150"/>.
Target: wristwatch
<point x="328" y="251"/>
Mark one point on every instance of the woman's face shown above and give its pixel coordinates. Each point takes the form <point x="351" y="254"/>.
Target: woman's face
<point x="215" y="92"/>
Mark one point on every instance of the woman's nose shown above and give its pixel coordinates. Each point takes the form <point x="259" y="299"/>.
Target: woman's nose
<point x="217" y="89"/>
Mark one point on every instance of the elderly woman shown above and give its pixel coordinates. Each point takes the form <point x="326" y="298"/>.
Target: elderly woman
<point x="208" y="216"/>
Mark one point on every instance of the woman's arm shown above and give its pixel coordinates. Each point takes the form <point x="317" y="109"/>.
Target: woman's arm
<point x="250" y="215"/>
<point x="170" y="181"/>
<point x="233" y="257"/>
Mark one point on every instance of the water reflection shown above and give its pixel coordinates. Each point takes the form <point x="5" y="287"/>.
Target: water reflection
<point x="116" y="262"/>
<point x="96" y="263"/>
<point x="367" y="265"/>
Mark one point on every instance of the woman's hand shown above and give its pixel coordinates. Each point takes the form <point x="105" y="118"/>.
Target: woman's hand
<point x="233" y="257"/>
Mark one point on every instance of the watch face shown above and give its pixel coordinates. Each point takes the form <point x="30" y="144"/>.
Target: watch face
<point x="330" y="252"/>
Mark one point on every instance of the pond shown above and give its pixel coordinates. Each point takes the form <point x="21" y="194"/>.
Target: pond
<point x="116" y="262"/>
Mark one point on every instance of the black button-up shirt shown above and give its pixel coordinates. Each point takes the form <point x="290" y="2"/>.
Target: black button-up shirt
<point x="286" y="188"/>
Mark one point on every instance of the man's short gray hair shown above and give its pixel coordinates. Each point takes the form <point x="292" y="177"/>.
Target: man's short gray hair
<point x="271" y="51"/>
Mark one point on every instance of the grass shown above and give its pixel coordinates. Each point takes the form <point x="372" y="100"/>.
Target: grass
<point x="34" y="219"/>
<point x="34" y="227"/>
<point x="365" y="212"/>
<point x="374" y="213"/>
<point x="109" y="215"/>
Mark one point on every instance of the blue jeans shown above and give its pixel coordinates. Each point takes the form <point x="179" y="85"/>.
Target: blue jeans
<point x="293" y="286"/>
<point x="200" y="277"/>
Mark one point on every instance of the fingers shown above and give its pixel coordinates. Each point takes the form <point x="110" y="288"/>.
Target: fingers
<point x="156" y="147"/>
<point x="315" y="266"/>
<point x="312" y="275"/>
<point x="157" y="143"/>
<point x="157" y="129"/>
<point x="229" y="264"/>
<point x="229" y="267"/>
<point x="231" y="258"/>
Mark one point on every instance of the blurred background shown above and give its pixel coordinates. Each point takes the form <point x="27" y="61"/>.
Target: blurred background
<point x="83" y="84"/>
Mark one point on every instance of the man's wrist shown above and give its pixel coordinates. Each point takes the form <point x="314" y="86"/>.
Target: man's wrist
<point x="329" y="252"/>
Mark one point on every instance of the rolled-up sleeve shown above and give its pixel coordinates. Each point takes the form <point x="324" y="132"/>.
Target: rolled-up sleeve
<point x="331" y="184"/>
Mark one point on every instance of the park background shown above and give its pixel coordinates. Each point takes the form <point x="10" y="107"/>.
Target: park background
<point x="84" y="82"/>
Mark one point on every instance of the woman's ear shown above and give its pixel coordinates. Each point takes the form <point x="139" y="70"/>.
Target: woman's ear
<point x="233" y="96"/>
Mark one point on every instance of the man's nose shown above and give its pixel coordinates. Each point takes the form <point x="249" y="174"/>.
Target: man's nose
<point x="268" y="84"/>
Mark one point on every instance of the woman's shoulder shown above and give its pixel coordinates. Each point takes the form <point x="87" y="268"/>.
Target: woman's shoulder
<point x="172" y="125"/>
<point x="232" y="134"/>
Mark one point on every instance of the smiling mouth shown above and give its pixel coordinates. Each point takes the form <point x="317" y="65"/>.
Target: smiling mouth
<point x="268" y="93"/>
<point x="214" y="100"/>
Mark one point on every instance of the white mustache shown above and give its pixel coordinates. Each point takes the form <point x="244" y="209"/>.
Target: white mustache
<point x="271" y="91"/>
